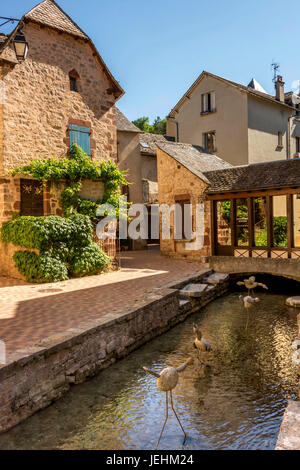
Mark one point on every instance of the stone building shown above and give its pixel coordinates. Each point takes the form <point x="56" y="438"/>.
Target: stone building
<point x="137" y="156"/>
<point x="59" y="93"/>
<point x="241" y="124"/>
<point x="251" y="213"/>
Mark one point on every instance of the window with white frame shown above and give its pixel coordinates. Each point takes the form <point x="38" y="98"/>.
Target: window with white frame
<point x="208" y="103"/>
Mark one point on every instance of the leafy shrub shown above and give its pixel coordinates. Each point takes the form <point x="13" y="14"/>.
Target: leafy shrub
<point x="40" y="268"/>
<point x="43" y="232"/>
<point x="65" y="246"/>
<point x="88" y="260"/>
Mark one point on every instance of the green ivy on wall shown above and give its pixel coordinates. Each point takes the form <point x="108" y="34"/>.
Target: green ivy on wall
<point x="74" y="170"/>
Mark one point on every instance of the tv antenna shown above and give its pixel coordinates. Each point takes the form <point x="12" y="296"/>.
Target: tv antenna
<point x="275" y="67"/>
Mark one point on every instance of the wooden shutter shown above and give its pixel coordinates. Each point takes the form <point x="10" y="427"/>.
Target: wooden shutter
<point x="81" y="136"/>
<point x="213" y="101"/>
<point x="205" y="103"/>
<point x="32" y="201"/>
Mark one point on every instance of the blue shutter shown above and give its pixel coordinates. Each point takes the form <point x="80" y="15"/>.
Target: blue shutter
<point x="81" y="136"/>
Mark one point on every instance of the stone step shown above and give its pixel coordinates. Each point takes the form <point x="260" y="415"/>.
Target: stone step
<point x="195" y="290"/>
<point x="216" y="278"/>
<point x="293" y="302"/>
<point x="183" y="302"/>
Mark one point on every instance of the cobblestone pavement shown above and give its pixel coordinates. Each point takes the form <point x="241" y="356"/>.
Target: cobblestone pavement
<point x="31" y="312"/>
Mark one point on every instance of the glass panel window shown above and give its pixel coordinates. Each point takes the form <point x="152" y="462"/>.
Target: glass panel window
<point x="242" y="222"/>
<point x="81" y="136"/>
<point x="260" y="221"/>
<point x="223" y="223"/>
<point x="280" y="221"/>
<point x="208" y="102"/>
<point x="296" y="221"/>
<point x="209" y="139"/>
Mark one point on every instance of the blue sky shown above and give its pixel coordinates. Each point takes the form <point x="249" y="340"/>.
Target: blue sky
<point x="157" y="48"/>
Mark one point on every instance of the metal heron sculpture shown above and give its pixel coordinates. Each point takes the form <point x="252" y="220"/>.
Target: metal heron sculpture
<point x="167" y="381"/>
<point x="251" y="284"/>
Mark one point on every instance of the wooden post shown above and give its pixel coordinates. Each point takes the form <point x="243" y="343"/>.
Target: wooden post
<point x="270" y="224"/>
<point x="289" y="212"/>
<point x="232" y="223"/>
<point x="250" y="225"/>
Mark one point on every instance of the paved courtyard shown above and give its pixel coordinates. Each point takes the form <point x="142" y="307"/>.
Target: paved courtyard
<point x="31" y="312"/>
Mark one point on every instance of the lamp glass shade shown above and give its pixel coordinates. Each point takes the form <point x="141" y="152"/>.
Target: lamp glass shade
<point x="21" y="47"/>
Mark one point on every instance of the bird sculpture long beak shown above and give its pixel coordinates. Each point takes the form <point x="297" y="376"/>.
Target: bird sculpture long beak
<point x="149" y="371"/>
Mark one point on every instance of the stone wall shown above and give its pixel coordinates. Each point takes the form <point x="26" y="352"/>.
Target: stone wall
<point x="33" y="378"/>
<point x="39" y="104"/>
<point x="175" y="182"/>
<point x="289" y="436"/>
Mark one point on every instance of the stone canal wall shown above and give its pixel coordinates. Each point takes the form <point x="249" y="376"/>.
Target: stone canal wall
<point x="289" y="436"/>
<point x="34" y="378"/>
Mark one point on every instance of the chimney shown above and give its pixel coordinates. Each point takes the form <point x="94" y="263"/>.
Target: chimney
<point x="279" y="86"/>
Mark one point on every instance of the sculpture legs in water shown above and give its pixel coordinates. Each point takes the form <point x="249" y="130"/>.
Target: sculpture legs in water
<point x="167" y="417"/>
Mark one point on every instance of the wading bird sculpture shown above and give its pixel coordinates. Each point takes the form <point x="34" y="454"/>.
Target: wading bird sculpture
<point x="248" y="301"/>
<point x="251" y="284"/>
<point x="167" y="381"/>
<point x="200" y="343"/>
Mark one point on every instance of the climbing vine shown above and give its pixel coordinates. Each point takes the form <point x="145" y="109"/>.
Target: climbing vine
<point x="74" y="170"/>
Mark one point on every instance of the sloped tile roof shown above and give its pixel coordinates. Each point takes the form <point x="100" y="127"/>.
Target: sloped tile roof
<point x="123" y="124"/>
<point x="148" y="142"/>
<point x="50" y="14"/>
<point x="266" y="175"/>
<point x="194" y="158"/>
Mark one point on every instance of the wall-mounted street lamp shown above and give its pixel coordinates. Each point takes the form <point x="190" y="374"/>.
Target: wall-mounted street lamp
<point x="19" y="40"/>
<point x="21" y="46"/>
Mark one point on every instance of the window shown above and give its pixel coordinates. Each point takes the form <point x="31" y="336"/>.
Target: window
<point x="296" y="221"/>
<point x="297" y="145"/>
<point x="280" y="221"/>
<point x="32" y="198"/>
<point x="208" y="103"/>
<point x="280" y="139"/>
<point x="260" y="221"/>
<point x="81" y="136"/>
<point x="74" y="81"/>
<point x="242" y="222"/>
<point x="182" y="219"/>
<point x="209" y="141"/>
<point x="144" y="144"/>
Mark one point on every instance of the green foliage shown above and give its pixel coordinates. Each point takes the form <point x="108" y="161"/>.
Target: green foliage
<point x="280" y="231"/>
<point x="88" y="260"/>
<point x="42" y="233"/>
<point x="226" y="210"/>
<point x="65" y="247"/>
<point x="40" y="268"/>
<point x="159" y="125"/>
<point x="74" y="170"/>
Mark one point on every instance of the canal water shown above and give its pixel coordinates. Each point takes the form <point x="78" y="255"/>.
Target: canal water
<point x="236" y="403"/>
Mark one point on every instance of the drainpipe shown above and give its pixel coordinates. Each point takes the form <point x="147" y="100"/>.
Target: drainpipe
<point x="289" y="146"/>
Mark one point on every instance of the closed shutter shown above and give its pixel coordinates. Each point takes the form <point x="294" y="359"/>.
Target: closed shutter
<point x="32" y="198"/>
<point x="81" y="136"/>
<point x="205" y="103"/>
<point x="213" y="101"/>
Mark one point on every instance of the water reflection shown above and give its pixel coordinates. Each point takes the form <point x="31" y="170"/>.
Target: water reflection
<point x="238" y="404"/>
